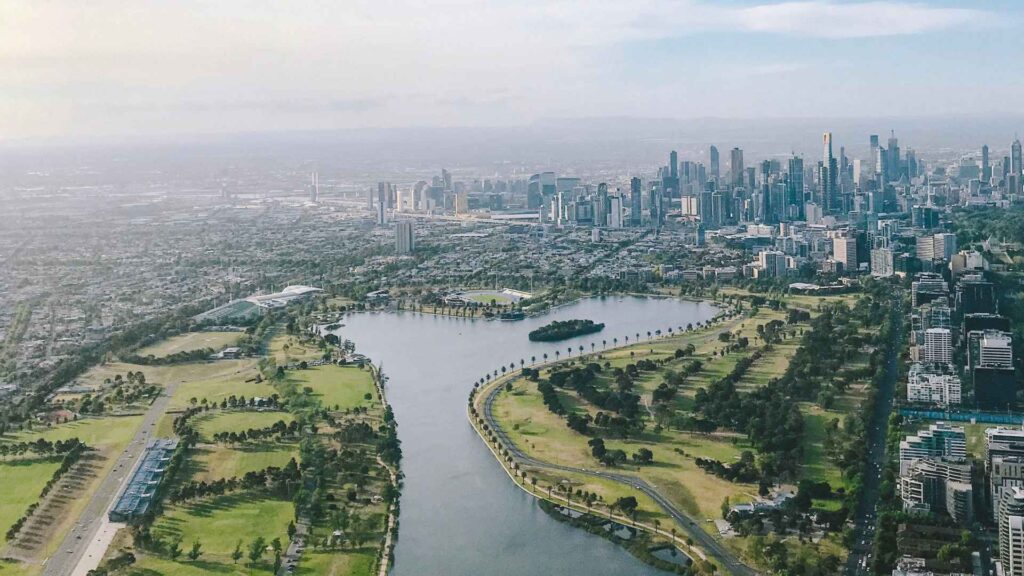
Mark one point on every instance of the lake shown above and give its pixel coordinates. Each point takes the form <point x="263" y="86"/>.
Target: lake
<point x="460" y="513"/>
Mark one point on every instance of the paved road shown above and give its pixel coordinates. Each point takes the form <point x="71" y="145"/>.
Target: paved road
<point x="712" y="547"/>
<point x="865" y="516"/>
<point x="83" y="547"/>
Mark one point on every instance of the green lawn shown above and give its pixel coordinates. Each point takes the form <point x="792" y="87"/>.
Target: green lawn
<point x="344" y="386"/>
<point x="219" y="523"/>
<point x="543" y="434"/>
<point x="337" y="564"/>
<point x="499" y="299"/>
<point x="96" y="432"/>
<point x="208" y="462"/>
<point x="285" y="348"/>
<point x="816" y="465"/>
<point x="215" y="380"/>
<point x="214" y="422"/>
<point x="189" y="342"/>
<point x="155" y="566"/>
<point x="23" y="479"/>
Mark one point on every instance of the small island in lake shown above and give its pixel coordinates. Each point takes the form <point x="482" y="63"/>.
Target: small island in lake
<point x="560" y="330"/>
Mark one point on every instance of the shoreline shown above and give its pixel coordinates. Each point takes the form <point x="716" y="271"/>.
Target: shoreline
<point x="515" y="471"/>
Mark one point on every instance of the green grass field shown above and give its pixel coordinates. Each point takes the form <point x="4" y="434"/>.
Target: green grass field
<point x="486" y="299"/>
<point x="99" y="433"/>
<point x="155" y="566"/>
<point x="211" y="462"/>
<point x="22" y="481"/>
<point x="214" y="380"/>
<point x="344" y="386"/>
<point x="285" y="348"/>
<point x="219" y="523"/>
<point x="543" y="434"/>
<point x="211" y="423"/>
<point x="189" y="342"/>
<point x="336" y="564"/>
<point x="816" y="465"/>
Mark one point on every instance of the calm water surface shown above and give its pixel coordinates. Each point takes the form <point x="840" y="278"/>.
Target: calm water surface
<point x="461" y="515"/>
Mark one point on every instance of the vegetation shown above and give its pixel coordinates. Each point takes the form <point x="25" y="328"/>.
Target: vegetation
<point x="564" y="329"/>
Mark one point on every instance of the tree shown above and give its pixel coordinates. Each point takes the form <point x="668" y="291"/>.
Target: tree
<point x="627" y="504"/>
<point x="236" y="554"/>
<point x="643" y="456"/>
<point x="277" y="561"/>
<point x="275" y="544"/>
<point x="196" y="551"/>
<point x="174" y="550"/>
<point x="256" y="549"/>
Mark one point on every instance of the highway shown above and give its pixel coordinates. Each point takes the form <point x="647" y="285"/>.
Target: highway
<point x="715" y="551"/>
<point x="865" y="516"/>
<point x="84" y="546"/>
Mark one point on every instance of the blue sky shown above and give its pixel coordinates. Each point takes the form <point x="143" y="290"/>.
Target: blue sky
<point x="139" y="67"/>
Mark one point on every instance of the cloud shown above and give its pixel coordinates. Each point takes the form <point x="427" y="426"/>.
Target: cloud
<point x="860" y="20"/>
<point x="382" y="62"/>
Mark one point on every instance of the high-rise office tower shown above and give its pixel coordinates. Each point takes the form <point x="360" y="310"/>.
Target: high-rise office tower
<point x="673" y="164"/>
<point x="844" y="250"/>
<point x="446" y="179"/>
<point x="383" y="189"/>
<point x="1014" y="178"/>
<point x="736" y="167"/>
<point x="1015" y="157"/>
<point x="714" y="162"/>
<point x="615" y="211"/>
<point x="795" y="188"/>
<point x="405" y="237"/>
<point x="635" y="201"/>
<point x="314" y="188"/>
<point x="892" y="164"/>
<point x="601" y="205"/>
<point x="986" y="167"/>
<point x="873" y="160"/>
<point x="829" y="173"/>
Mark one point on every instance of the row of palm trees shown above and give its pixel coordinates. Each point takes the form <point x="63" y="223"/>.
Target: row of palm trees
<point x="604" y="345"/>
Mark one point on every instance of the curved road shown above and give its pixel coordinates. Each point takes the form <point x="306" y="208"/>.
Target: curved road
<point x="713" y="548"/>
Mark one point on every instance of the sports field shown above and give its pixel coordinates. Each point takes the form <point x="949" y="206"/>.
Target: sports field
<point x="189" y="342"/>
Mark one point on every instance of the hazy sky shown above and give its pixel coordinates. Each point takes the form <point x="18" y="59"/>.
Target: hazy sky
<point x="104" y="67"/>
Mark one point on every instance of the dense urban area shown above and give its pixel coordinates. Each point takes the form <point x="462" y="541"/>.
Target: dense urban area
<point x="183" y="390"/>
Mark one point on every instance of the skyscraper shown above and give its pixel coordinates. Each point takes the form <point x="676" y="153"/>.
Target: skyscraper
<point x="713" y="160"/>
<point x="1015" y="167"/>
<point x="795" y="189"/>
<point x="635" y="201"/>
<point x="736" y="167"/>
<point x="383" y="189"/>
<point x="1015" y="157"/>
<point x="829" y="173"/>
<point x="892" y="163"/>
<point x="986" y="166"/>
<point x="405" y="237"/>
<point x="673" y="164"/>
<point x="314" y="188"/>
<point x="873" y="160"/>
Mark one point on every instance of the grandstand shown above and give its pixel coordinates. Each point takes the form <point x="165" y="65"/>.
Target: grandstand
<point x="247" y="308"/>
<point x="137" y="497"/>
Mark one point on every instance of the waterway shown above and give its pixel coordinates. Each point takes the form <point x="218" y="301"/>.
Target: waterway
<point x="460" y="513"/>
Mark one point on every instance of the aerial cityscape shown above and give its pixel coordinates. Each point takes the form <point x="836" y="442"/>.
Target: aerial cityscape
<point x="501" y="322"/>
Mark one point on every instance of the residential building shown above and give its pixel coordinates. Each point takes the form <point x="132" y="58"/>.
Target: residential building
<point x="938" y="346"/>
<point x="939" y="440"/>
<point x="926" y="386"/>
